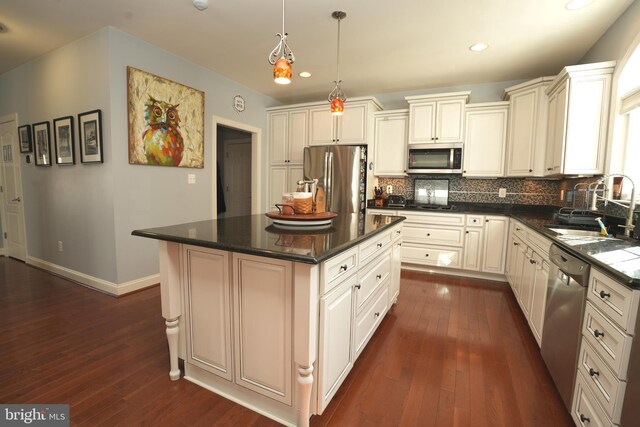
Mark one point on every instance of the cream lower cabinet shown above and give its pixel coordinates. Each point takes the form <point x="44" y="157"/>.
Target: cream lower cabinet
<point x="606" y="389"/>
<point x="485" y="240"/>
<point x="528" y="272"/>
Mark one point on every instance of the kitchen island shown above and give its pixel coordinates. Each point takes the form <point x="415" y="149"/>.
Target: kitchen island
<point x="272" y="317"/>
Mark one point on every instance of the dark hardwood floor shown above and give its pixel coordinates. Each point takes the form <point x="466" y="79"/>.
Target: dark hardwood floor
<point x="451" y="352"/>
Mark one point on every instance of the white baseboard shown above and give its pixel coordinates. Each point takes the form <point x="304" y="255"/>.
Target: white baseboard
<point x="2" y="252"/>
<point x="94" y="282"/>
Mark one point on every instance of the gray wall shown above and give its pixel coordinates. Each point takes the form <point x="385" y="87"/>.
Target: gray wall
<point x="613" y="45"/>
<point x="93" y="208"/>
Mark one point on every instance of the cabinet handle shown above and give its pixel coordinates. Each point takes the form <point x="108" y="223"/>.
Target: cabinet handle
<point x="604" y="295"/>
<point x="358" y="286"/>
<point x="597" y="333"/>
<point x="593" y="372"/>
<point x="379" y="245"/>
<point x="584" y="419"/>
<point x="376" y="314"/>
<point x="378" y="276"/>
<point x="532" y="261"/>
<point x="343" y="268"/>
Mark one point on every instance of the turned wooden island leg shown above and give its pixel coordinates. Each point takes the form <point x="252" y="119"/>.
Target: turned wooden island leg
<point x="173" y="332"/>
<point x="169" y="254"/>
<point x="306" y="336"/>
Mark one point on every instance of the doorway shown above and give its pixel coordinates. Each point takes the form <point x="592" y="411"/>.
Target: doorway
<point x="12" y="203"/>
<point x="237" y="175"/>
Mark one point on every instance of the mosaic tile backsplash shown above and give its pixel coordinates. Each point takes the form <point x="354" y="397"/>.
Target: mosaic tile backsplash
<point x="519" y="191"/>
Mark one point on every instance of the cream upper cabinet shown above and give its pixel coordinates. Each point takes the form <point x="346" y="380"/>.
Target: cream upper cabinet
<point x="485" y="137"/>
<point x="282" y="179"/>
<point x="579" y="101"/>
<point x="527" y="137"/>
<point x="437" y="118"/>
<point x="390" y="158"/>
<point x="352" y="127"/>
<point x="288" y="135"/>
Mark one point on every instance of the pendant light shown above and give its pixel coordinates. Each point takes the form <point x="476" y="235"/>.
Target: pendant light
<point x="281" y="57"/>
<point x="337" y="96"/>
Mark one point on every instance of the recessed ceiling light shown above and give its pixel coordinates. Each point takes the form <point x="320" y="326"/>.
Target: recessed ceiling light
<point x="304" y="74"/>
<point x="478" y="47"/>
<point x="577" y="4"/>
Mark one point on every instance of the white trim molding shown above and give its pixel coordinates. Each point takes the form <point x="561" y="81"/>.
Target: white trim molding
<point x="110" y="288"/>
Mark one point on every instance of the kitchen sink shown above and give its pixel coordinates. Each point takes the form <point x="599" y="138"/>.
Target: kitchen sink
<point x="573" y="236"/>
<point x="575" y="232"/>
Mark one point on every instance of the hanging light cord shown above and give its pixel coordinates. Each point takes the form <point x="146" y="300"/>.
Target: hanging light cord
<point x="337" y="91"/>
<point x="338" y="50"/>
<point x="282" y="49"/>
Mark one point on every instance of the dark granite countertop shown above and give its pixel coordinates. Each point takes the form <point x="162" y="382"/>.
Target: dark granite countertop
<point x="256" y="235"/>
<point x="618" y="257"/>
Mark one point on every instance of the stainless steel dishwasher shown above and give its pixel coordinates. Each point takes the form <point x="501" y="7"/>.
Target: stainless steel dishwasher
<point x="566" y="296"/>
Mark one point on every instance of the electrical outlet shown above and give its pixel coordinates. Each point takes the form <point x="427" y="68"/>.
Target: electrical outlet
<point x="60" y="247"/>
<point x="561" y="195"/>
<point x="389" y="189"/>
<point x="191" y="178"/>
<point x="502" y="192"/>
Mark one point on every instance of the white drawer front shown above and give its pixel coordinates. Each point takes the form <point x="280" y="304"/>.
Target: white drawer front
<point x="540" y="243"/>
<point x="618" y="302"/>
<point x="448" y="236"/>
<point x="371" y="278"/>
<point x="370" y="318"/>
<point x="396" y="233"/>
<point x="433" y="218"/>
<point x="519" y="230"/>
<point x="431" y="255"/>
<point x="337" y="269"/>
<point x="607" y="389"/>
<point x="475" y="220"/>
<point x="611" y="344"/>
<point x="585" y="410"/>
<point x="374" y="246"/>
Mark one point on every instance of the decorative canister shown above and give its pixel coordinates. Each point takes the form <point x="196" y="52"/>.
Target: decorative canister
<point x="303" y="203"/>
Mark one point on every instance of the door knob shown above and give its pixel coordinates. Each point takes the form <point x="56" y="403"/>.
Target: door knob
<point x="17" y="199"/>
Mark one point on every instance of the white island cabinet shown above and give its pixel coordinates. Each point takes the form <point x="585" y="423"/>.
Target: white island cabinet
<point x="271" y="318"/>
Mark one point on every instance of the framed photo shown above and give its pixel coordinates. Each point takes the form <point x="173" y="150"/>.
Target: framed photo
<point x="166" y="121"/>
<point x="63" y="137"/>
<point x="42" y="144"/>
<point x="24" y="134"/>
<point x="90" y="136"/>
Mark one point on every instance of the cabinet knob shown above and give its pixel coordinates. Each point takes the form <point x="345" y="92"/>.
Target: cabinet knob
<point x="518" y="229"/>
<point x="426" y="255"/>
<point x="398" y="231"/>
<point x="467" y="232"/>
<point x="597" y="333"/>
<point x="376" y="314"/>
<point x="515" y="243"/>
<point x="593" y="372"/>
<point x="378" y="276"/>
<point x="428" y="234"/>
<point x="358" y="286"/>
<point x="486" y="220"/>
<point x="532" y="261"/>
<point x="584" y="419"/>
<point x="549" y="169"/>
<point x="379" y="245"/>
<point x="464" y="171"/>
<point x="530" y="170"/>
<point x="343" y="268"/>
<point x="604" y="294"/>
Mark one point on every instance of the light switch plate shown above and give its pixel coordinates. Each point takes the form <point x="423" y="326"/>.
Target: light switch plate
<point x="502" y="192"/>
<point x="191" y="178"/>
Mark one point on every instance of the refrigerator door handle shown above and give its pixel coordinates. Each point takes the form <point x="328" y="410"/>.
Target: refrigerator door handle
<point x="328" y="178"/>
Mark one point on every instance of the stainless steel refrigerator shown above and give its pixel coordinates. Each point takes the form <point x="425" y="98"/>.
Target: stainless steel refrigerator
<point x="341" y="171"/>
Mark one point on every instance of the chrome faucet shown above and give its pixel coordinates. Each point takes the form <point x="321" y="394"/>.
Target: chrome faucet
<point x="632" y="203"/>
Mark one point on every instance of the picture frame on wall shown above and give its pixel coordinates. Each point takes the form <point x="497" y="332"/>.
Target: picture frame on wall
<point x="24" y="135"/>
<point x="42" y="143"/>
<point x="63" y="140"/>
<point x="90" y="136"/>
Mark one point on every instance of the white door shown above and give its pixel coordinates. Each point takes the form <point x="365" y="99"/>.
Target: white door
<point x="237" y="179"/>
<point x="12" y="200"/>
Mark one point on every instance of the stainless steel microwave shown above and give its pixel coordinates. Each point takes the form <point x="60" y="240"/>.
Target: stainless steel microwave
<point x="434" y="158"/>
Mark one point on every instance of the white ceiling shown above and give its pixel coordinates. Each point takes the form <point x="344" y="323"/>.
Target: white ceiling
<point x="386" y="45"/>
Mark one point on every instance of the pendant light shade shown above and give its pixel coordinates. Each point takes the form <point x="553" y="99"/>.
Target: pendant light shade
<point x="337" y="96"/>
<point x="281" y="57"/>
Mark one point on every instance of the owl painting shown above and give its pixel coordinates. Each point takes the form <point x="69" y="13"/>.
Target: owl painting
<point x="166" y="121"/>
<point x="163" y="144"/>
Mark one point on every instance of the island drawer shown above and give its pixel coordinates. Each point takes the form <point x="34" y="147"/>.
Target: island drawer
<point x="338" y="268"/>
<point x="431" y="255"/>
<point x="615" y="300"/>
<point x="611" y="344"/>
<point x="607" y="389"/>
<point x="396" y="232"/>
<point x="586" y="411"/>
<point x="434" y="235"/>
<point x="370" y="278"/>
<point x="370" y="318"/>
<point x="374" y="246"/>
<point x="433" y="218"/>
